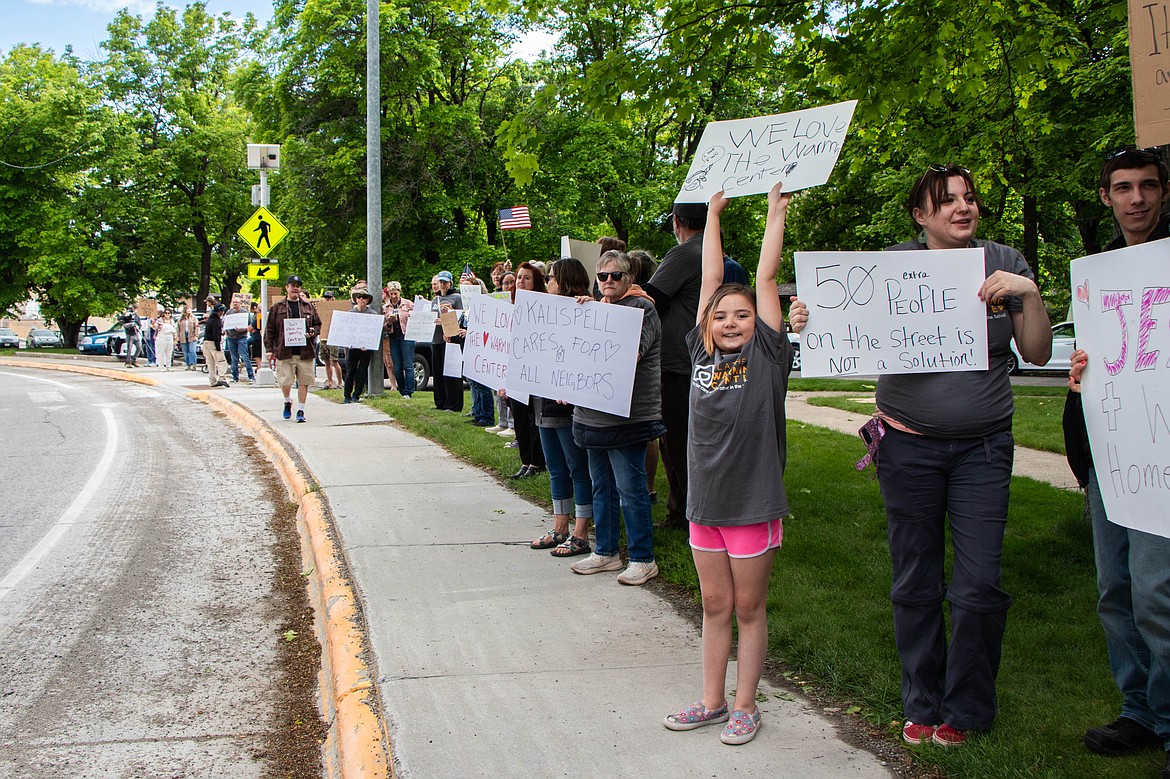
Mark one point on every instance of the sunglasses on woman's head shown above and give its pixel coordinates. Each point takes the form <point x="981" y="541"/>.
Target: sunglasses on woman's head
<point x="616" y="275"/>
<point x="956" y="169"/>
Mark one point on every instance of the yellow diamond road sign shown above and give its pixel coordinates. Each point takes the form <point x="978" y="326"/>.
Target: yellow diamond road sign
<point x="268" y="271"/>
<point x="262" y="231"/>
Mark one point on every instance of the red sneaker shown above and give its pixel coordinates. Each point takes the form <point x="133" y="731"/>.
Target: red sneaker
<point x="917" y="735"/>
<point x="946" y="736"/>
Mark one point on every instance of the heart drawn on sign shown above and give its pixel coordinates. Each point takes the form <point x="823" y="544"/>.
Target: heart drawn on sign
<point x="610" y="350"/>
<point x="1083" y="292"/>
<point x="485" y="337"/>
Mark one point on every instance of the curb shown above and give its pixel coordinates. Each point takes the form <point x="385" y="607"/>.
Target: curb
<point x="356" y="746"/>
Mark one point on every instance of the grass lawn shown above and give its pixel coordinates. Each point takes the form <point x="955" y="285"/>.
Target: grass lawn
<point x="829" y="611"/>
<point x="1036" y="423"/>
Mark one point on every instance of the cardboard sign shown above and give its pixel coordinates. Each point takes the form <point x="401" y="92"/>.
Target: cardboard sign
<point x="748" y="156"/>
<point x="354" y="330"/>
<point x="449" y="321"/>
<point x="892" y="312"/>
<point x="588" y="253"/>
<point x="1121" y="308"/>
<point x="294" y="332"/>
<point x="1149" y="59"/>
<point x="147" y="308"/>
<point x="585" y="353"/>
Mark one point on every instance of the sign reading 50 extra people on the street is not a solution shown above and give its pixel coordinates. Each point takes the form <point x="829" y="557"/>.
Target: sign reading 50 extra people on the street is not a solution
<point x="1121" y="307"/>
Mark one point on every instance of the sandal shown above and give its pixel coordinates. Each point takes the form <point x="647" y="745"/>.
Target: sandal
<point x="571" y="547"/>
<point x="548" y="540"/>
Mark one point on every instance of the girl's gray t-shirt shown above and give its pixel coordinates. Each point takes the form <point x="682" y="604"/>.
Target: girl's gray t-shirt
<point x="736" y="446"/>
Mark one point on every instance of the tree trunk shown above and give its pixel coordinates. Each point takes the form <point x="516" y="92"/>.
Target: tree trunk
<point x="1032" y="234"/>
<point x="69" y="328"/>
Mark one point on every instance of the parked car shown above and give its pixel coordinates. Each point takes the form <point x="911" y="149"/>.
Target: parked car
<point x="9" y="339"/>
<point x="1064" y="342"/>
<point x="43" y="339"/>
<point x="97" y="343"/>
<point x="794" y="339"/>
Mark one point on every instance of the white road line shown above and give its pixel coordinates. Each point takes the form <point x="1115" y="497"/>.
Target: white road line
<point x="71" y="515"/>
<point x="37" y="378"/>
<point x="49" y="396"/>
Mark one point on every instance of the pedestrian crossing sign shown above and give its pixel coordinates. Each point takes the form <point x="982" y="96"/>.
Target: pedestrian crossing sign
<point x="263" y="231"/>
<point x="265" y="271"/>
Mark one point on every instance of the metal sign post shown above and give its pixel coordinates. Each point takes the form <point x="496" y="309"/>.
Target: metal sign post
<point x="264" y="157"/>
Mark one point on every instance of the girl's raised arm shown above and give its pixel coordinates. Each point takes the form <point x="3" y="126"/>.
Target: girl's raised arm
<point x="767" y="294"/>
<point x="712" y="253"/>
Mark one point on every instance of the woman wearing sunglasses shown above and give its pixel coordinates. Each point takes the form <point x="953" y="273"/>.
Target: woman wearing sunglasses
<point x="616" y="445"/>
<point x="946" y="458"/>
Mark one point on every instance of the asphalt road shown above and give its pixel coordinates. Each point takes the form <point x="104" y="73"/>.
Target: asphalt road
<point x="138" y="624"/>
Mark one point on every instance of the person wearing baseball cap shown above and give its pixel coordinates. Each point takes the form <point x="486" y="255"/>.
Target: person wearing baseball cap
<point x="675" y="289"/>
<point x="448" y="392"/>
<point x="291" y="346"/>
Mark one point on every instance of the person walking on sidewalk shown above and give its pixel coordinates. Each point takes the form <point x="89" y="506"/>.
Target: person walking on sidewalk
<point x="237" y="342"/>
<point x="212" y="349"/>
<point x="164" y="340"/>
<point x="741" y="358"/>
<point x="616" y="445"/>
<point x="290" y="345"/>
<point x="188" y="333"/>
<point x="1133" y="567"/>
<point x="357" y="361"/>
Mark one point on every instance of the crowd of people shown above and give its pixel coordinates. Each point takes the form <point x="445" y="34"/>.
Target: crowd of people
<point x="708" y="396"/>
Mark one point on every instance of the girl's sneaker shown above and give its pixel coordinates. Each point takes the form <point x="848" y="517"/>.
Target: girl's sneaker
<point x="742" y="728"/>
<point x="946" y="736"/>
<point x="695" y="716"/>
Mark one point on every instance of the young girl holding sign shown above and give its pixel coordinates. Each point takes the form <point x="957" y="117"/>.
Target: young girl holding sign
<point x="736" y="454"/>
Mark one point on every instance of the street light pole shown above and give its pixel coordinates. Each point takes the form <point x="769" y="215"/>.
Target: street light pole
<point x="374" y="179"/>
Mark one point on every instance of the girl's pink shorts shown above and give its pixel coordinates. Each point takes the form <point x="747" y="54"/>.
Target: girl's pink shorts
<point x="739" y="540"/>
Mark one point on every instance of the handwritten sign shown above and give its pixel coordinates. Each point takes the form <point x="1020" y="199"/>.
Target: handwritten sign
<point x="453" y="361"/>
<point x="421" y="325"/>
<point x="351" y="329"/>
<point x="1121" y="308"/>
<point x="489" y="339"/>
<point x="147" y="308"/>
<point x="892" y="312"/>
<point x="236" y="321"/>
<point x="326" y="309"/>
<point x="1149" y="55"/>
<point x="747" y="156"/>
<point x="565" y="350"/>
<point x="294" y="332"/>
<point x="449" y="321"/>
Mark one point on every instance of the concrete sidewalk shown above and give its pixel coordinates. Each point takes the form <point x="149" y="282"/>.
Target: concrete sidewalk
<point x="495" y="660"/>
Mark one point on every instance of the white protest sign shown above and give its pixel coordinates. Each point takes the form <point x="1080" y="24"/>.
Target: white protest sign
<point x="488" y="342"/>
<point x="421" y="325"/>
<point x="584" y="353"/>
<point x="1121" y="307"/>
<point x="747" y="156"/>
<point x="294" y="332"/>
<point x="585" y="251"/>
<point x="892" y="312"/>
<point x="236" y="321"/>
<point x="452" y="361"/>
<point x="467" y="290"/>
<point x="359" y="331"/>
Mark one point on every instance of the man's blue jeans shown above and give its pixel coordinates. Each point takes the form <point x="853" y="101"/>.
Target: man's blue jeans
<point x="237" y="351"/>
<point x="402" y="353"/>
<point x="568" y="472"/>
<point x="482" y="408"/>
<point x="1133" y="580"/>
<point x="619" y="481"/>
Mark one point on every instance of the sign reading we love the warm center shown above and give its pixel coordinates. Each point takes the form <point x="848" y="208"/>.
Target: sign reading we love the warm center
<point x="487" y="346"/>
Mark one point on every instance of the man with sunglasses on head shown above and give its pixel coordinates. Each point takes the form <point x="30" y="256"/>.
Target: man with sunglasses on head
<point x="675" y="289"/>
<point x="1133" y="568"/>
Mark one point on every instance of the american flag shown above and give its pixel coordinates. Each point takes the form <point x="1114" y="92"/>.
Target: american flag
<point x="514" y="218"/>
